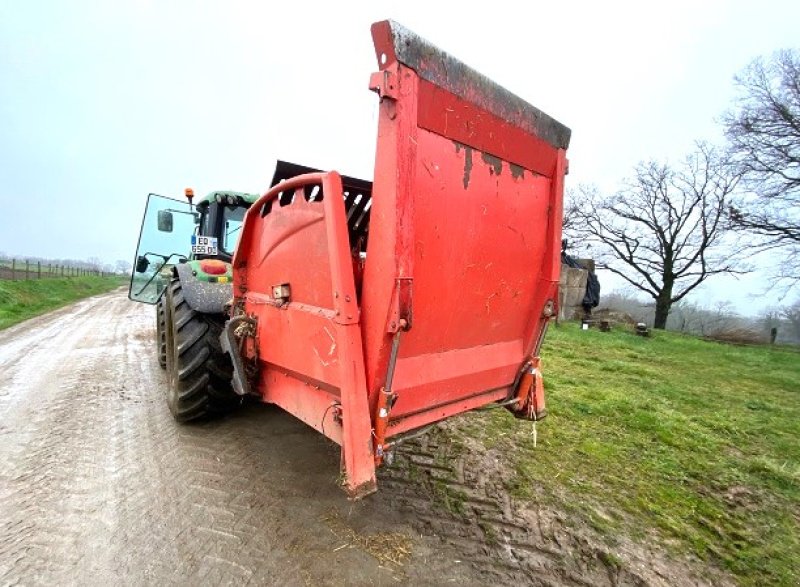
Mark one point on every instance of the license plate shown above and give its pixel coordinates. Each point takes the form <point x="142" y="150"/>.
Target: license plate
<point x="204" y="245"/>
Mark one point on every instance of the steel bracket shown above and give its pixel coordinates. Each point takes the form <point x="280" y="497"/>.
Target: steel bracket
<point x="234" y="329"/>
<point x="400" y="313"/>
<point x="384" y="83"/>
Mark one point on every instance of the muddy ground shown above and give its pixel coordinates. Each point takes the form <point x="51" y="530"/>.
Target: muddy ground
<point x="99" y="486"/>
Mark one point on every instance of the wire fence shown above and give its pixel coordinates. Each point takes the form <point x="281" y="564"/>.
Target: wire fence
<point x="23" y="269"/>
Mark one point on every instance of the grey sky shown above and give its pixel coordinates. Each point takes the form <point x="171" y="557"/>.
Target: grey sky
<point x="103" y="102"/>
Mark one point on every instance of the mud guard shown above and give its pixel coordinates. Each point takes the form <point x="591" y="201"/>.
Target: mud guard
<point x="203" y="296"/>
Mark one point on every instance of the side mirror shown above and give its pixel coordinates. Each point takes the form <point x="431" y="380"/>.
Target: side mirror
<point x="165" y="221"/>
<point x="142" y="263"/>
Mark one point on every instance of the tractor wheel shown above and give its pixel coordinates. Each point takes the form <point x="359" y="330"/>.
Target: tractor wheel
<point x="198" y="371"/>
<point x="161" y="332"/>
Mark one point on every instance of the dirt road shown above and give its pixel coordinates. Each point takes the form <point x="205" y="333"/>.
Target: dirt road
<point x="99" y="486"/>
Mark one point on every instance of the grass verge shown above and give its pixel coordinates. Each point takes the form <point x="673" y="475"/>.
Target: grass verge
<point x="20" y="300"/>
<point x="690" y="443"/>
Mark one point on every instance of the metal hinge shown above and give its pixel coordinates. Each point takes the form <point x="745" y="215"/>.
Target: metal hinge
<point x="385" y="84"/>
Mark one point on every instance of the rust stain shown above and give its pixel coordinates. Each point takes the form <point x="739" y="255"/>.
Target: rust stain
<point x="517" y="172"/>
<point x="495" y="163"/>
<point x="467" y="165"/>
<point x="467" y="161"/>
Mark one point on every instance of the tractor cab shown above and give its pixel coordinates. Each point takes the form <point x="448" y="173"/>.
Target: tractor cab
<point x="175" y="231"/>
<point x="220" y="217"/>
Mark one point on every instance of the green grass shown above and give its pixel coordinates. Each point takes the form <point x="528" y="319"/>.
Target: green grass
<point x="20" y="300"/>
<point x="692" y="443"/>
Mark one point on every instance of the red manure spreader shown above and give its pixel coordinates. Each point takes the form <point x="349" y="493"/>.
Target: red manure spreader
<point x="373" y="309"/>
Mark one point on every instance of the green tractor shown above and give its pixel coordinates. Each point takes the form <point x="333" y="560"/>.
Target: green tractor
<point x="183" y="267"/>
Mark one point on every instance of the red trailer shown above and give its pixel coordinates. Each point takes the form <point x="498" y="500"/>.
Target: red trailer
<point x="370" y="310"/>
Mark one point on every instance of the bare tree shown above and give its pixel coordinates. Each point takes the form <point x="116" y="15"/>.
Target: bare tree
<point x="570" y="219"/>
<point x="764" y="134"/>
<point x="792" y="316"/>
<point x="769" y="321"/>
<point x="663" y="233"/>
<point x="94" y="263"/>
<point x="123" y="267"/>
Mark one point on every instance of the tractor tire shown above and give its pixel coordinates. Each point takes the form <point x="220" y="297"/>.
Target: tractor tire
<point x="161" y="332"/>
<point x="198" y="371"/>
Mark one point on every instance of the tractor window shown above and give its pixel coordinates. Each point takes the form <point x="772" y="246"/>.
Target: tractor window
<point x="203" y="224"/>
<point x="232" y="220"/>
<point x="164" y="240"/>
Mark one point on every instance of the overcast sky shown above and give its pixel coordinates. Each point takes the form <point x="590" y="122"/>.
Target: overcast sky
<point x="103" y="102"/>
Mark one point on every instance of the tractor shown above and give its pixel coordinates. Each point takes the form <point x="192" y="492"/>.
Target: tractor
<point x="187" y="250"/>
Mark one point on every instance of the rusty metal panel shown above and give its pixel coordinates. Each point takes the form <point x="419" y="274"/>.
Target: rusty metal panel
<point x="495" y="139"/>
<point x="467" y="202"/>
<point x="395" y="43"/>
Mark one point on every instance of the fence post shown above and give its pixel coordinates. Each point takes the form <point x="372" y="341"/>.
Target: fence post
<point x="62" y="270"/>
<point x="38" y="269"/>
<point x="13" y="269"/>
<point x="27" y="270"/>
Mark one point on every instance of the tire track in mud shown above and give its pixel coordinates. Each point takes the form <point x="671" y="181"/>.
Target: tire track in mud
<point x="46" y="473"/>
<point x="459" y="492"/>
<point x="98" y="485"/>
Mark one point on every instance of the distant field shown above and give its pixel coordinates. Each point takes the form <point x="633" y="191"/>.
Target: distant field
<point x="694" y="443"/>
<point x="20" y="300"/>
